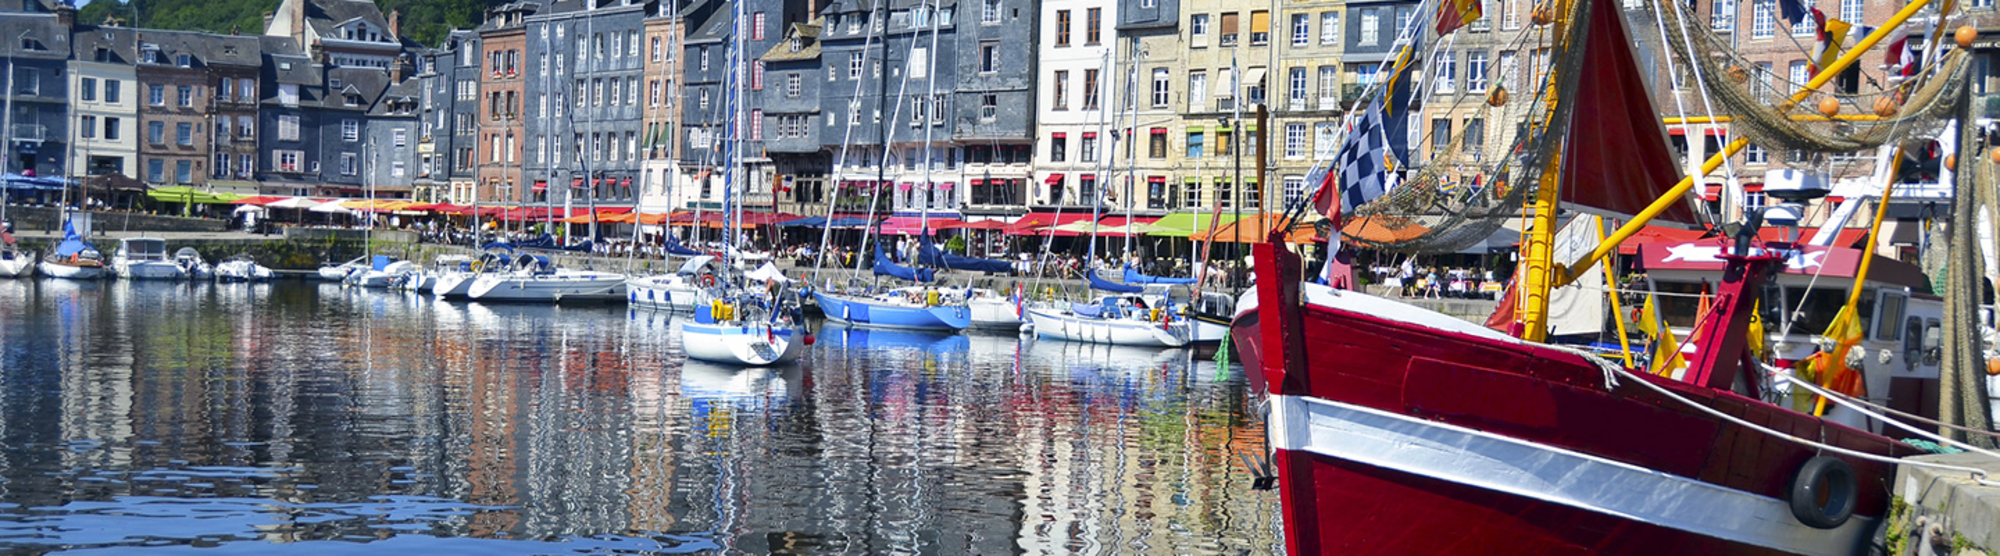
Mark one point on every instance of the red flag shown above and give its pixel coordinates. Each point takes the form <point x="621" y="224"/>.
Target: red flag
<point x="1327" y="200"/>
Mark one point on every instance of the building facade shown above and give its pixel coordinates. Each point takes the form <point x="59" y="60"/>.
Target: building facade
<point x="994" y="105"/>
<point x="662" y="141"/>
<point x="104" y="100"/>
<point x="37" y="48"/>
<point x="589" y="56"/>
<point x="503" y="40"/>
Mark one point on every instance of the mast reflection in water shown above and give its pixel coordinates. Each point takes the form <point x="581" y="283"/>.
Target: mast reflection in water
<point x="150" y="417"/>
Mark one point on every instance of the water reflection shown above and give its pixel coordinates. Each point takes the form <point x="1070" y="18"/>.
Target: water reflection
<point x="143" y="416"/>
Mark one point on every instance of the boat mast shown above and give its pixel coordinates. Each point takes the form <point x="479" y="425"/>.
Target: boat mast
<point x="930" y="93"/>
<point x="7" y="140"/>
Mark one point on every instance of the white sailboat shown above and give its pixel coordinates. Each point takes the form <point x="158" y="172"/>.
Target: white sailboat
<point x="533" y="278"/>
<point x="14" y="261"/>
<point x="242" y="268"/>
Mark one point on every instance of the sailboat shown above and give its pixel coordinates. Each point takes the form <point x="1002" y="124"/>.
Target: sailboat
<point x="925" y="305"/>
<point x="14" y="261"/>
<point x="752" y="318"/>
<point x="1399" y="430"/>
<point x="74" y="258"/>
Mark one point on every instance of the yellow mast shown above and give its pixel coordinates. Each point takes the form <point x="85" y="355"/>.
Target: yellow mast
<point x="1537" y="265"/>
<point x="1566" y="274"/>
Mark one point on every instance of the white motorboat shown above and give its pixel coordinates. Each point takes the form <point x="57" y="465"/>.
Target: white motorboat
<point x="340" y="271"/>
<point x="382" y="271"/>
<point x="677" y="291"/>
<point x="1211" y="315"/>
<point x="192" y="266"/>
<point x="1119" y="319"/>
<point x="458" y="283"/>
<point x="993" y="311"/>
<point x="73" y="259"/>
<point x="533" y="278"/>
<point x="242" y="268"/>
<point x="15" y="262"/>
<point x="144" y="258"/>
<point x="423" y="281"/>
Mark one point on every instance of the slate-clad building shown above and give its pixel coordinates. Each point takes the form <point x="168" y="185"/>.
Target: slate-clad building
<point x="293" y="88"/>
<point x="911" y="63"/>
<point x="793" y="124"/>
<point x="704" y="105"/>
<point x="584" y="101"/>
<point x="392" y="135"/>
<point x="993" y="105"/>
<point x="38" y="46"/>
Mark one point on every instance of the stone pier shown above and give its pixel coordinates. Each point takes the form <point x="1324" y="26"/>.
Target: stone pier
<point x="1944" y="512"/>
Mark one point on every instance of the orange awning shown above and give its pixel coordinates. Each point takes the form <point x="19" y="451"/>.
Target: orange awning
<point x="1254" y="229"/>
<point x="1383" y="229"/>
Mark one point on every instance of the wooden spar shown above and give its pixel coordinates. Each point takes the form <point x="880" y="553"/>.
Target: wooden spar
<point x="1795" y="118"/>
<point x="1564" y="274"/>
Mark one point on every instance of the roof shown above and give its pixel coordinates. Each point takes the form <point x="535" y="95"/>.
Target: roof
<point x="406" y="93"/>
<point x="117" y="41"/>
<point x="326" y="16"/>
<point x="808" y="36"/>
<point x="50" y="38"/>
<point x="369" y="83"/>
<point x="715" y="28"/>
<point x="206" y="49"/>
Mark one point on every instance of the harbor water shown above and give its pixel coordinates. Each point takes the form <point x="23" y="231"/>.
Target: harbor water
<point x="161" y="418"/>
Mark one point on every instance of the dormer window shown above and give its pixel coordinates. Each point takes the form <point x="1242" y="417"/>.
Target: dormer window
<point x="184" y="60"/>
<point x="103" y="55"/>
<point x="795" y="44"/>
<point x="30" y="43"/>
<point x="353" y="100"/>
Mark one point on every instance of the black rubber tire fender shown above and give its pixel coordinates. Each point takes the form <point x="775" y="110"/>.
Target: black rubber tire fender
<point x="1828" y="478"/>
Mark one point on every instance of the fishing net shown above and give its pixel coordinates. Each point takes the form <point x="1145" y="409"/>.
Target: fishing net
<point x="1464" y="194"/>
<point x="1758" y="100"/>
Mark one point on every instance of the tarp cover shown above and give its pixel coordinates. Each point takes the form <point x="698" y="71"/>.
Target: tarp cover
<point x="1110" y="286"/>
<point x="886" y="267"/>
<point x="1133" y="276"/>
<point x="928" y="254"/>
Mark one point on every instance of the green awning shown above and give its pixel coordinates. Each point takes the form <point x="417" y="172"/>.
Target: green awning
<point x="185" y="194"/>
<point x="1183" y="224"/>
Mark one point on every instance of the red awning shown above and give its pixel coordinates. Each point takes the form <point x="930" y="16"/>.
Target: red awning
<point x="1054" y="179"/>
<point x="577" y="184"/>
<point x="1028" y="225"/>
<point x="911" y="225"/>
<point x="258" y="200"/>
<point x="541" y="185"/>
<point x="1156" y="179"/>
<point x="628" y="183"/>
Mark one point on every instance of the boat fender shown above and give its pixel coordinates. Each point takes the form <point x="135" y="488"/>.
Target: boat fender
<point x="1824" y="478"/>
<point x="810" y="339"/>
<point x="931" y="298"/>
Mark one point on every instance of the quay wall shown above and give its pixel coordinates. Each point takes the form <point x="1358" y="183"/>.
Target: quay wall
<point x="48" y="219"/>
<point x="1944" y="512"/>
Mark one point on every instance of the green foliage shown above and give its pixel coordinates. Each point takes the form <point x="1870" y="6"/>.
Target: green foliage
<point x="425" y="22"/>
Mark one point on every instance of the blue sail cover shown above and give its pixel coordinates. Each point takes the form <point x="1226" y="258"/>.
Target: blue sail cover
<point x="1110" y="286"/>
<point x="885" y="267"/>
<point x="72" y="246"/>
<point x="379" y="262"/>
<point x="497" y="245"/>
<point x="929" y="255"/>
<point x="675" y="248"/>
<point x="1133" y="276"/>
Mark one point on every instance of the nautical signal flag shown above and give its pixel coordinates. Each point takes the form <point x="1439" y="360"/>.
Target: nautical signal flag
<point x="1360" y="164"/>
<point x="1453" y="14"/>
<point x="1902" y="57"/>
<point x="1831" y="33"/>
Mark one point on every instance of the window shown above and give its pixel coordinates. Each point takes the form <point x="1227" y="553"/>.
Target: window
<point x="1062" y="27"/>
<point x="1803" y="27"/>
<point x="1089" y="147"/>
<point x="1724" y="17"/>
<point x="243" y="127"/>
<point x="1194" y="143"/>
<point x="1329" y="28"/>
<point x="854" y="65"/>
<point x="1223" y="136"/>
<point x="632" y="41"/>
<point x="1799" y="76"/>
<point x="1093" y="24"/>
<point x="989" y="106"/>
<point x="225" y="89"/>
<point x="288" y="127"/>
<point x="1324" y="145"/>
<point x="112" y="130"/>
<point x="400" y="137"/>
<point x="183" y="169"/>
<point x="184" y="95"/>
<point x="1403" y="17"/>
<point x="156" y="170"/>
<point x="1440" y="136"/>
<point x="1371" y="27"/>
<point x="989" y="12"/>
<point x="184" y="60"/>
<point x="1198" y="29"/>
<point x="1301" y="29"/>
<point x="920" y="63"/>
<point x="396" y="169"/>
<point x="1508" y="67"/>
<point x="1156" y="147"/>
<point x="349" y="164"/>
<point x="1295" y="189"/>
<point x="1061" y="99"/>
<point x="286" y="161"/>
<point x="87" y="89"/>
<point x="1296" y="88"/>
<point x="1850" y="11"/>
<point x="1475" y="71"/>
<point x="1762" y="24"/>
<point x="757" y="26"/>
<point x="1329" y="87"/>
<point x="756" y="76"/>
<point x="1058" y="148"/>
<point x="111" y="87"/>
<point x="1474" y="136"/>
<point x="1753" y="154"/>
<point x="1161" y="87"/>
<point x="350" y="130"/>
<point x="246" y="90"/>
<point x="1260" y="27"/>
<point x="1295" y="140"/>
<point x="1090" y="89"/>
<point x="184" y="134"/>
<point x="88" y="126"/>
<point x="1228" y="30"/>
<point x="989" y="56"/>
<point x="704" y="99"/>
<point x="793" y="83"/>
<point x="704" y="58"/>
<point x="1447" y="68"/>
<point x="1197" y="90"/>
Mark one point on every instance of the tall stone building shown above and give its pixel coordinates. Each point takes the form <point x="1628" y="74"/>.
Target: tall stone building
<point x="37" y="45"/>
<point x="793" y="138"/>
<point x="1228" y="61"/>
<point x="589" y="56"/>
<point x="503" y="40"/>
<point x="1305" y="115"/>
<point x="661" y="116"/>
<point x="993" y="109"/>
<point x="105" y="101"/>
<point x="1072" y="114"/>
<point x="1152" y="150"/>
<point x="182" y="75"/>
<point x="294" y="88"/>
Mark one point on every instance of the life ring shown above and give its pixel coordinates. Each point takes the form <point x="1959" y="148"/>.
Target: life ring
<point x="708" y="280"/>
<point x="1824" y="493"/>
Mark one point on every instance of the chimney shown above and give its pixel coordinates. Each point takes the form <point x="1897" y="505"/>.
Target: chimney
<point x="396" y="23"/>
<point x="65" y="15"/>
<point x="298" y="16"/>
<point x="268" y="16"/>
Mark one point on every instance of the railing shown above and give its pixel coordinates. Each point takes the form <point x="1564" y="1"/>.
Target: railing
<point x="33" y="133"/>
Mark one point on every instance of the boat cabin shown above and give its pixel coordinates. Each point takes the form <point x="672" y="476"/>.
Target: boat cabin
<point x="142" y="249"/>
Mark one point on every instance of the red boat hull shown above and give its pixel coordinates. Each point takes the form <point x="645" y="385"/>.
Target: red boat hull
<point x="1403" y="431"/>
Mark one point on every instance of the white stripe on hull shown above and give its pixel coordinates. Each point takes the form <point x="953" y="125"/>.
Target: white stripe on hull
<point x="1503" y="464"/>
<point x="1123" y="332"/>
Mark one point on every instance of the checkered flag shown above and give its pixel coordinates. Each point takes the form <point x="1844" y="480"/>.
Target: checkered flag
<point x="1359" y="166"/>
